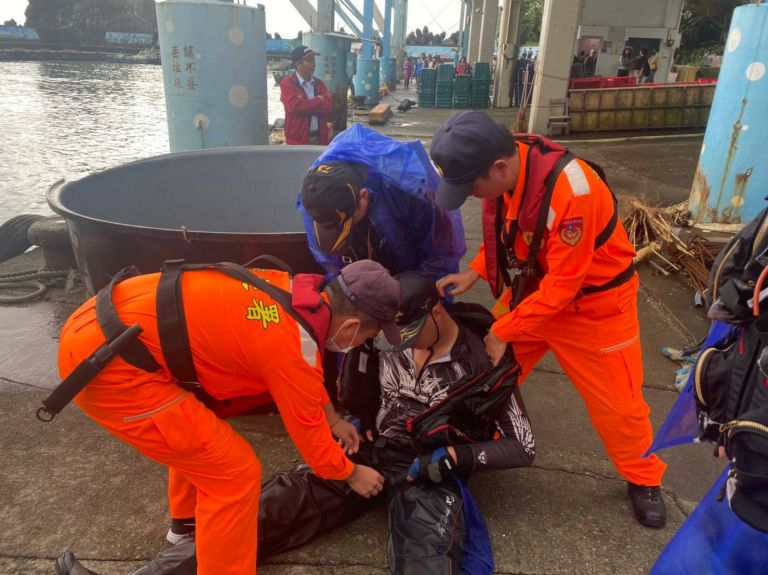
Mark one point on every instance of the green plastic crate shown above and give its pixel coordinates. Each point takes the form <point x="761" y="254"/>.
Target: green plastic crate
<point x="445" y="73"/>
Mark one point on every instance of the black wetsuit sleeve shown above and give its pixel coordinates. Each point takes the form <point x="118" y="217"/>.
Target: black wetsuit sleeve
<point x="515" y="447"/>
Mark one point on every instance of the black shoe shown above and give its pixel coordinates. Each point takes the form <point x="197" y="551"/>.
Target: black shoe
<point x="67" y="564"/>
<point x="648" y="505"/>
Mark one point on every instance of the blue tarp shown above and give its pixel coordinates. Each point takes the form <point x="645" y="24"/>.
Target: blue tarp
<point x="713" y="541"/>
<point x="18" y="33"/>
<point x="681" y="425"/>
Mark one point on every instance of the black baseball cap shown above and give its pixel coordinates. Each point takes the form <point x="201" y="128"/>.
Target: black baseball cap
<point x="330" y="194"/>
<point x="463" y="148"/>
<point x="371" y="289"/>
<point x="302" y="52"/>
<point x="418" y="297"/>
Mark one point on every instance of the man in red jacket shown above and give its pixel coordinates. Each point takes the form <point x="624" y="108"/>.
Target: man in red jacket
<point x="307" y="103"/>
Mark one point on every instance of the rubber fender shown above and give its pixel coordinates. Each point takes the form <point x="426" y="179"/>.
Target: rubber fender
<point x="13" y="235"/>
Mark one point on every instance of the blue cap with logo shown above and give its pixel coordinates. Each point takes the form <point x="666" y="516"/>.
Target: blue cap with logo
<point x="463" y="148"/>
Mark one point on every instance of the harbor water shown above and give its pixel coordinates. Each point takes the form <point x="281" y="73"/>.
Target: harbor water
<point x="70" y="119"/>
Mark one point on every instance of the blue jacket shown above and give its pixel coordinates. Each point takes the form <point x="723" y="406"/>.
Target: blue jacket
<point x="415" y="233"/>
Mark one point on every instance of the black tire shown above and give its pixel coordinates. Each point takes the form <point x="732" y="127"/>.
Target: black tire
<point x="13" y="235"/>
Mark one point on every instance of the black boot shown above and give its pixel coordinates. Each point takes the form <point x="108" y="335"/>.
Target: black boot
<point x="67" y="564"/>
<point x="648" y="505"/>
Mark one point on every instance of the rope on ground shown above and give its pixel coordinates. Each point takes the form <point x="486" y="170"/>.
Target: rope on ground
<point x="38" y="281"/>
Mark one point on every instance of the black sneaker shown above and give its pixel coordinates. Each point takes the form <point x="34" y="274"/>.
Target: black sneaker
<point x="181" y="531"/>
<point x="67" y="564"/>
<point x="648" y="505"/>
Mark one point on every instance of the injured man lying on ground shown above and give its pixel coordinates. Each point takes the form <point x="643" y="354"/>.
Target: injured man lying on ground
<point x="431" y="412"/>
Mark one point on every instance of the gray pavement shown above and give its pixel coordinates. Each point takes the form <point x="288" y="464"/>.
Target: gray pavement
<point x="70" y="484"/>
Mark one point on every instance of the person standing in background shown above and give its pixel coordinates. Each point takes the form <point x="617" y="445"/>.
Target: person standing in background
<point x="307" y="102"/>
<point x="407" y="69"/>
<point x="625" y="62"/>
<point x="653" y="63"/>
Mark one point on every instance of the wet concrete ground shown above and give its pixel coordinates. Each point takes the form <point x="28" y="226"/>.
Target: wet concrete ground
<point x="70" y="484"/>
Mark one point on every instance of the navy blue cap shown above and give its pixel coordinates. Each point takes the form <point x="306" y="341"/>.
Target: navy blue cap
<point x="463" y="148"/>
<point x="301" y="52"/>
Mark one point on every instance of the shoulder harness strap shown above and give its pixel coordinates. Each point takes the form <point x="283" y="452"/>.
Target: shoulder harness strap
<point x="172" y="325"/>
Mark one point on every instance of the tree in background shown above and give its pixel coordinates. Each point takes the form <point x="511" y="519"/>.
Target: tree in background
<point x="10" y="22"/>
<point x="706" y="22"/>
<point x="703" y="27"/>
<point x="423" y="37"/>
<point x="530" y="21"/>
<point x="87" y="16"/>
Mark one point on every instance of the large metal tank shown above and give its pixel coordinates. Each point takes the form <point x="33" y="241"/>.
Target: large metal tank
<point x="367" y="80"/>
<point x="214" y="60"/>
<point x="228" y="204"/>
<point x="335" y="67"/>
<point x="729" y="184"/>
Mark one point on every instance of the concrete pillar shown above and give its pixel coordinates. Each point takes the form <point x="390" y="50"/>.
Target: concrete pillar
<point x="506" y="59"/>
<point x="464" y="29"/>
<point x="475" y="22"/>
<point x="325" y="14"/>
<point x="398" y="42"/>
<point x="386" y="33"/>
<point x="553" y="66"/>
<point x="488" y="30"/>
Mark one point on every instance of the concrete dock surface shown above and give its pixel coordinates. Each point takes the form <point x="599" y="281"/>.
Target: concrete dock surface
<point x="69" y="484"/>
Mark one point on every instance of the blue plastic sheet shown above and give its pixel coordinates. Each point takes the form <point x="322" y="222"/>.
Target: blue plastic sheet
<point x="478" y="552"/>
<point x="402" y="182"/>
<point x="681" y="425"/>
<point x="713" y="541"/>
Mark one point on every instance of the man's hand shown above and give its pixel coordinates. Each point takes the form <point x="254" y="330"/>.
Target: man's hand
<point x="494" y="347"/>
<point x="365" y="427"/>
<point x="347" y="435"/>
<point x="366" y="481"/>
<point x="432" y="467"/>
<point x="459" y="283"/>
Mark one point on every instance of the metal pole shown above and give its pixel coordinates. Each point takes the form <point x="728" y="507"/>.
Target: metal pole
<point x="367" y="49"/>
<point x="386" y="36"/>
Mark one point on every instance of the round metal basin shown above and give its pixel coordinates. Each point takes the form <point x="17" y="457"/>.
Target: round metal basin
<point x="224" y="204"/>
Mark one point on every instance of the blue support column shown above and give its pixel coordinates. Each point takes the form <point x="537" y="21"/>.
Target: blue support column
<point x="367" y="49"/>
<point x="386" y="35"/>
<point x="729" y="185"/>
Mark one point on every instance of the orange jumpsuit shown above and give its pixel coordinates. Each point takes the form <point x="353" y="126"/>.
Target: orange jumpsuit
<point x="243" y="344"/>
<point x="596" y="337"/>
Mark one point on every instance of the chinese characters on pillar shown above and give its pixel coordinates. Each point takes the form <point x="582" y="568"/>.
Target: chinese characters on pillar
<point x="184" y="67"/>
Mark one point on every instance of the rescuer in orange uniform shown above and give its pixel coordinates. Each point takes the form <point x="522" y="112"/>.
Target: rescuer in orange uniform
<point x="551" y="234"/>
<point x="243" y="342"/>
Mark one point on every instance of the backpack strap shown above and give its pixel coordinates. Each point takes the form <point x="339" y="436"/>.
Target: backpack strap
<point x="541" y="224"/>
<point x="172" y="325"/>
<point x="133" y="352"/>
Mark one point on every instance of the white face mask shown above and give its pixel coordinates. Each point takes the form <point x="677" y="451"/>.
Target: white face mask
<point x="331" y="345"/>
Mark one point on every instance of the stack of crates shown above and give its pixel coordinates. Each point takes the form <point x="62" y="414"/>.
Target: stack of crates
<point x="481" y="85"/>
<point x="462" y="91"/>
<point x="444" y="92"/>
<point x="427" y="82"/>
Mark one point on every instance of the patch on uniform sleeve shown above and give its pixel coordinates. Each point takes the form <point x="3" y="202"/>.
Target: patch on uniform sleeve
<point x="571" y="230"/>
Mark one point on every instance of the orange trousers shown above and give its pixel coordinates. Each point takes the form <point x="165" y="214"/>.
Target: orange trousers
<point x="596" y="341"/>
<point x="217" y="466"/>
